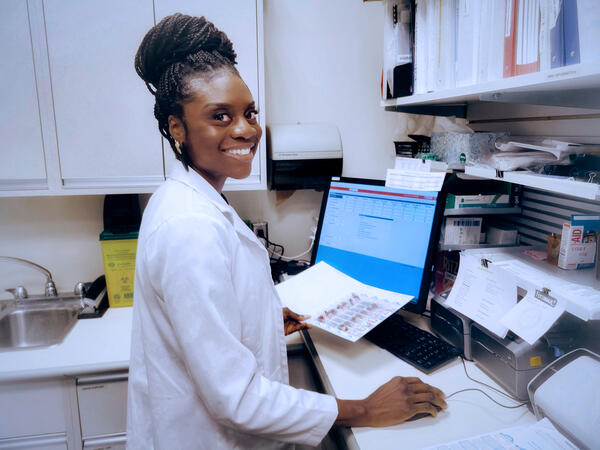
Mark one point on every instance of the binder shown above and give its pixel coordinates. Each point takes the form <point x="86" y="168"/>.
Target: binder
<point x="528" y="21"/>
<point x="510" y="26"/>
<point x="467" y="42"/>
<point x="557" y="46"/>
<point x="588" y="13"/>
<point x="571" y="32"/>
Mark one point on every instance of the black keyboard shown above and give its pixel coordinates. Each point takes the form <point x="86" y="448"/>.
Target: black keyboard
<point x="415" y="346"/>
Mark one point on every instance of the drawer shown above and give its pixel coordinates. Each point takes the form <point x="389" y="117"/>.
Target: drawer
<point x="117" y="442"/>
<point x="102" y="404"/>
<point x="56" y="441"/>
<point x="30" y="408"/>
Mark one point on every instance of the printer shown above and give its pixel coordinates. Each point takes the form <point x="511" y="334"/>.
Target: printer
<point x="451" y="325"/>
<point x="511" y="361"/>
<point x="303" y="155"/>
<point x="566" y="393"/>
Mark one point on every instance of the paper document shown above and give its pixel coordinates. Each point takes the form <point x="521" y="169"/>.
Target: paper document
<point x="420" y="165"/>
<point x="484" y="294"/>
<point x="414" y="180"/>
<point x="338" y="303"/>
<point x="534" y="315"/>
<point x="540" y="435"/>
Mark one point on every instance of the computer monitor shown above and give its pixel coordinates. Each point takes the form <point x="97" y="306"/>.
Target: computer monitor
<point x="381" y="236"/>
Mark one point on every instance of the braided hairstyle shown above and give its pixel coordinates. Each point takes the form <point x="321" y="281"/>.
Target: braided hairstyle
<point x="175" y="50"/>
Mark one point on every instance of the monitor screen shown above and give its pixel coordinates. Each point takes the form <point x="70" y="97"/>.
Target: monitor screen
<point x="379" y="235"/>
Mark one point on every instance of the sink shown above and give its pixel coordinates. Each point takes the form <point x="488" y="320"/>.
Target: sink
<point x="36" y="323"/>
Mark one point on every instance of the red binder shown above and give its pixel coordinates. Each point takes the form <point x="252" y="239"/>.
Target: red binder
<point x="510" y="28"/>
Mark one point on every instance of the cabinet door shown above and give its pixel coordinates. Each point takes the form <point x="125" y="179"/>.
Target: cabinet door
<point x="106" y="131"/>
<point x="22" y="164"/>
<point x="102" y="404"/>
<point x="241" y="20"/>
<point x="31" y="408"/>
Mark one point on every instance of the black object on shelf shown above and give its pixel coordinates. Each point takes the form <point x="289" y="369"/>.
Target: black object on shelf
<point x="122" y="213"/>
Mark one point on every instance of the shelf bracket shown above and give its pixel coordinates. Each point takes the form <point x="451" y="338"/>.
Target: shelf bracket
<point x="458" y="110"/>
<point x="576" y="98"/>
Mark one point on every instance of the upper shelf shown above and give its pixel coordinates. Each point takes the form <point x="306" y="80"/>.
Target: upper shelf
<point x="577" y="86"/>
<point x="564" y="185"/>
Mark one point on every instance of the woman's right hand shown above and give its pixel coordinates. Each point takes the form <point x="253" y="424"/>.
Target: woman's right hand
<point x="395" y="402"/>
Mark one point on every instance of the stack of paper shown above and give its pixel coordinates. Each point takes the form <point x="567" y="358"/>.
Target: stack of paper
<point x="541" y="435"/>
<point x="416" y="174"/>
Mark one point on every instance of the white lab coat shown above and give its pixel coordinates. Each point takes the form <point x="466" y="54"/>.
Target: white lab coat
<point x="208" y="358"/>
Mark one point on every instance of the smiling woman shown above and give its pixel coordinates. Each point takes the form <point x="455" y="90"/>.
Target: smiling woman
<point x="208" y="366"/>
<point x="218" y="128"/>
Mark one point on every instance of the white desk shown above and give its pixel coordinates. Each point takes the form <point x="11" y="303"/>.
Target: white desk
<point x="354" y="370"/>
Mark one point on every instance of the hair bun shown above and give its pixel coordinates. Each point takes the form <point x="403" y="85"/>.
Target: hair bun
<point x="175" y="38"/>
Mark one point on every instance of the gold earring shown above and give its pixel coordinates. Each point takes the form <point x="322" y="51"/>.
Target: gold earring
<point x="178" y="147"/>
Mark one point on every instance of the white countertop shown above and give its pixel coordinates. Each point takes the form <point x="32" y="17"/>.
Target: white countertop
<point x="356" y="369"/>
<point x="93" y="345"/>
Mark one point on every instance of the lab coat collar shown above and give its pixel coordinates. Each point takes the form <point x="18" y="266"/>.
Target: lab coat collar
<point x="194" y="180"/>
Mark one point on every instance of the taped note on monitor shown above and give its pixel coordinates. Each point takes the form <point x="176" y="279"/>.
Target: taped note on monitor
<point x="483" y="292"/>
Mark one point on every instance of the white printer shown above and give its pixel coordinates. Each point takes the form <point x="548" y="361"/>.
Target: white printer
<point x="567" y="393"/>
<point x="303" y="155"/>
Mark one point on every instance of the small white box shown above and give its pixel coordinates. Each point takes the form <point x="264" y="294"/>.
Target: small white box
<point x="462" y="230"/>
<point x="501" y="234"/>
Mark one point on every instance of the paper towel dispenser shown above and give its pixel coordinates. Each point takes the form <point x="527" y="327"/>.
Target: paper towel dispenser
<point x="303" y="155"/>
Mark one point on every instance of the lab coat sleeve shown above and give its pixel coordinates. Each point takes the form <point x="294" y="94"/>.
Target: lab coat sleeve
<point x="194" y="278"/>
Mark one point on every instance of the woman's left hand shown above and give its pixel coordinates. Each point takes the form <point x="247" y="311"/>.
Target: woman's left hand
<point x="293" y="322"/>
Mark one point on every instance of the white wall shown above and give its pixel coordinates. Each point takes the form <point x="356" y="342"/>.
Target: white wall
<point x="323" y="64"/>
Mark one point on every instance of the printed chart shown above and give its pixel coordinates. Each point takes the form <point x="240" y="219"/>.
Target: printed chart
<point x="354" y="315"/>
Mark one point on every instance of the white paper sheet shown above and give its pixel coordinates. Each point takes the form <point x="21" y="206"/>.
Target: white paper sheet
<point x="540" y="435"/>
<point x="484" y="294"/>
<point x="420" y="165"/>
<point x="414" y="180"/>
<point x="534" y="315"/>
<point x="322" y="288"/>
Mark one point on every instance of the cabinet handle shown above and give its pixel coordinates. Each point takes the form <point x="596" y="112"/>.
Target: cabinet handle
<point x="102" y="378"/>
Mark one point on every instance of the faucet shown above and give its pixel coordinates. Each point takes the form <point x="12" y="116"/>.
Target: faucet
<point x="20" y="292"/>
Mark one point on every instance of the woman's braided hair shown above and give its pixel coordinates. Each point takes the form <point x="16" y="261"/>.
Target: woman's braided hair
<point x="176" y="49"/>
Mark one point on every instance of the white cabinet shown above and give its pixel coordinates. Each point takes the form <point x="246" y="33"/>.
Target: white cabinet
<point x="242" y="22"/>
<point x="75" y="117"/>
<point x="106" y="131"/>
<point x="22" y="163"/>
<point x="35" y="414"/>
<point x="102" y="403"/>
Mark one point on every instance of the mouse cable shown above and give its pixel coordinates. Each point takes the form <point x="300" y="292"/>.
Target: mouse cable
<point x="488" y="396"/>
<point x="484" y="393"/>
<point x="514" y="399"/>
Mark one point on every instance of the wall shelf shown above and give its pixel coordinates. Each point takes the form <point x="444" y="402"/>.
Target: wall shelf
<point x="552" y="183"/>
<point x="481" y="211"/>
<point x="574" y="86"/>
<point x="453" y="247"/>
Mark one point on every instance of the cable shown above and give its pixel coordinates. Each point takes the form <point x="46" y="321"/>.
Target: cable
<point x="291" y="258"/>
<point x="485" y="384"/>
<point x="485" y="393"/>
<point x="488" y="396"/>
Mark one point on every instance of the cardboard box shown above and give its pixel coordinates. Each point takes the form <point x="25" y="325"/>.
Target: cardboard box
<point x="462" y="230"/>
<point x="477" y="201"/>
<point x="574" y="253"/>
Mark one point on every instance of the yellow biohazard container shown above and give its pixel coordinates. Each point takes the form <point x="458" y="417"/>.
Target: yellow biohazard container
<point x="118" y="252"/>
